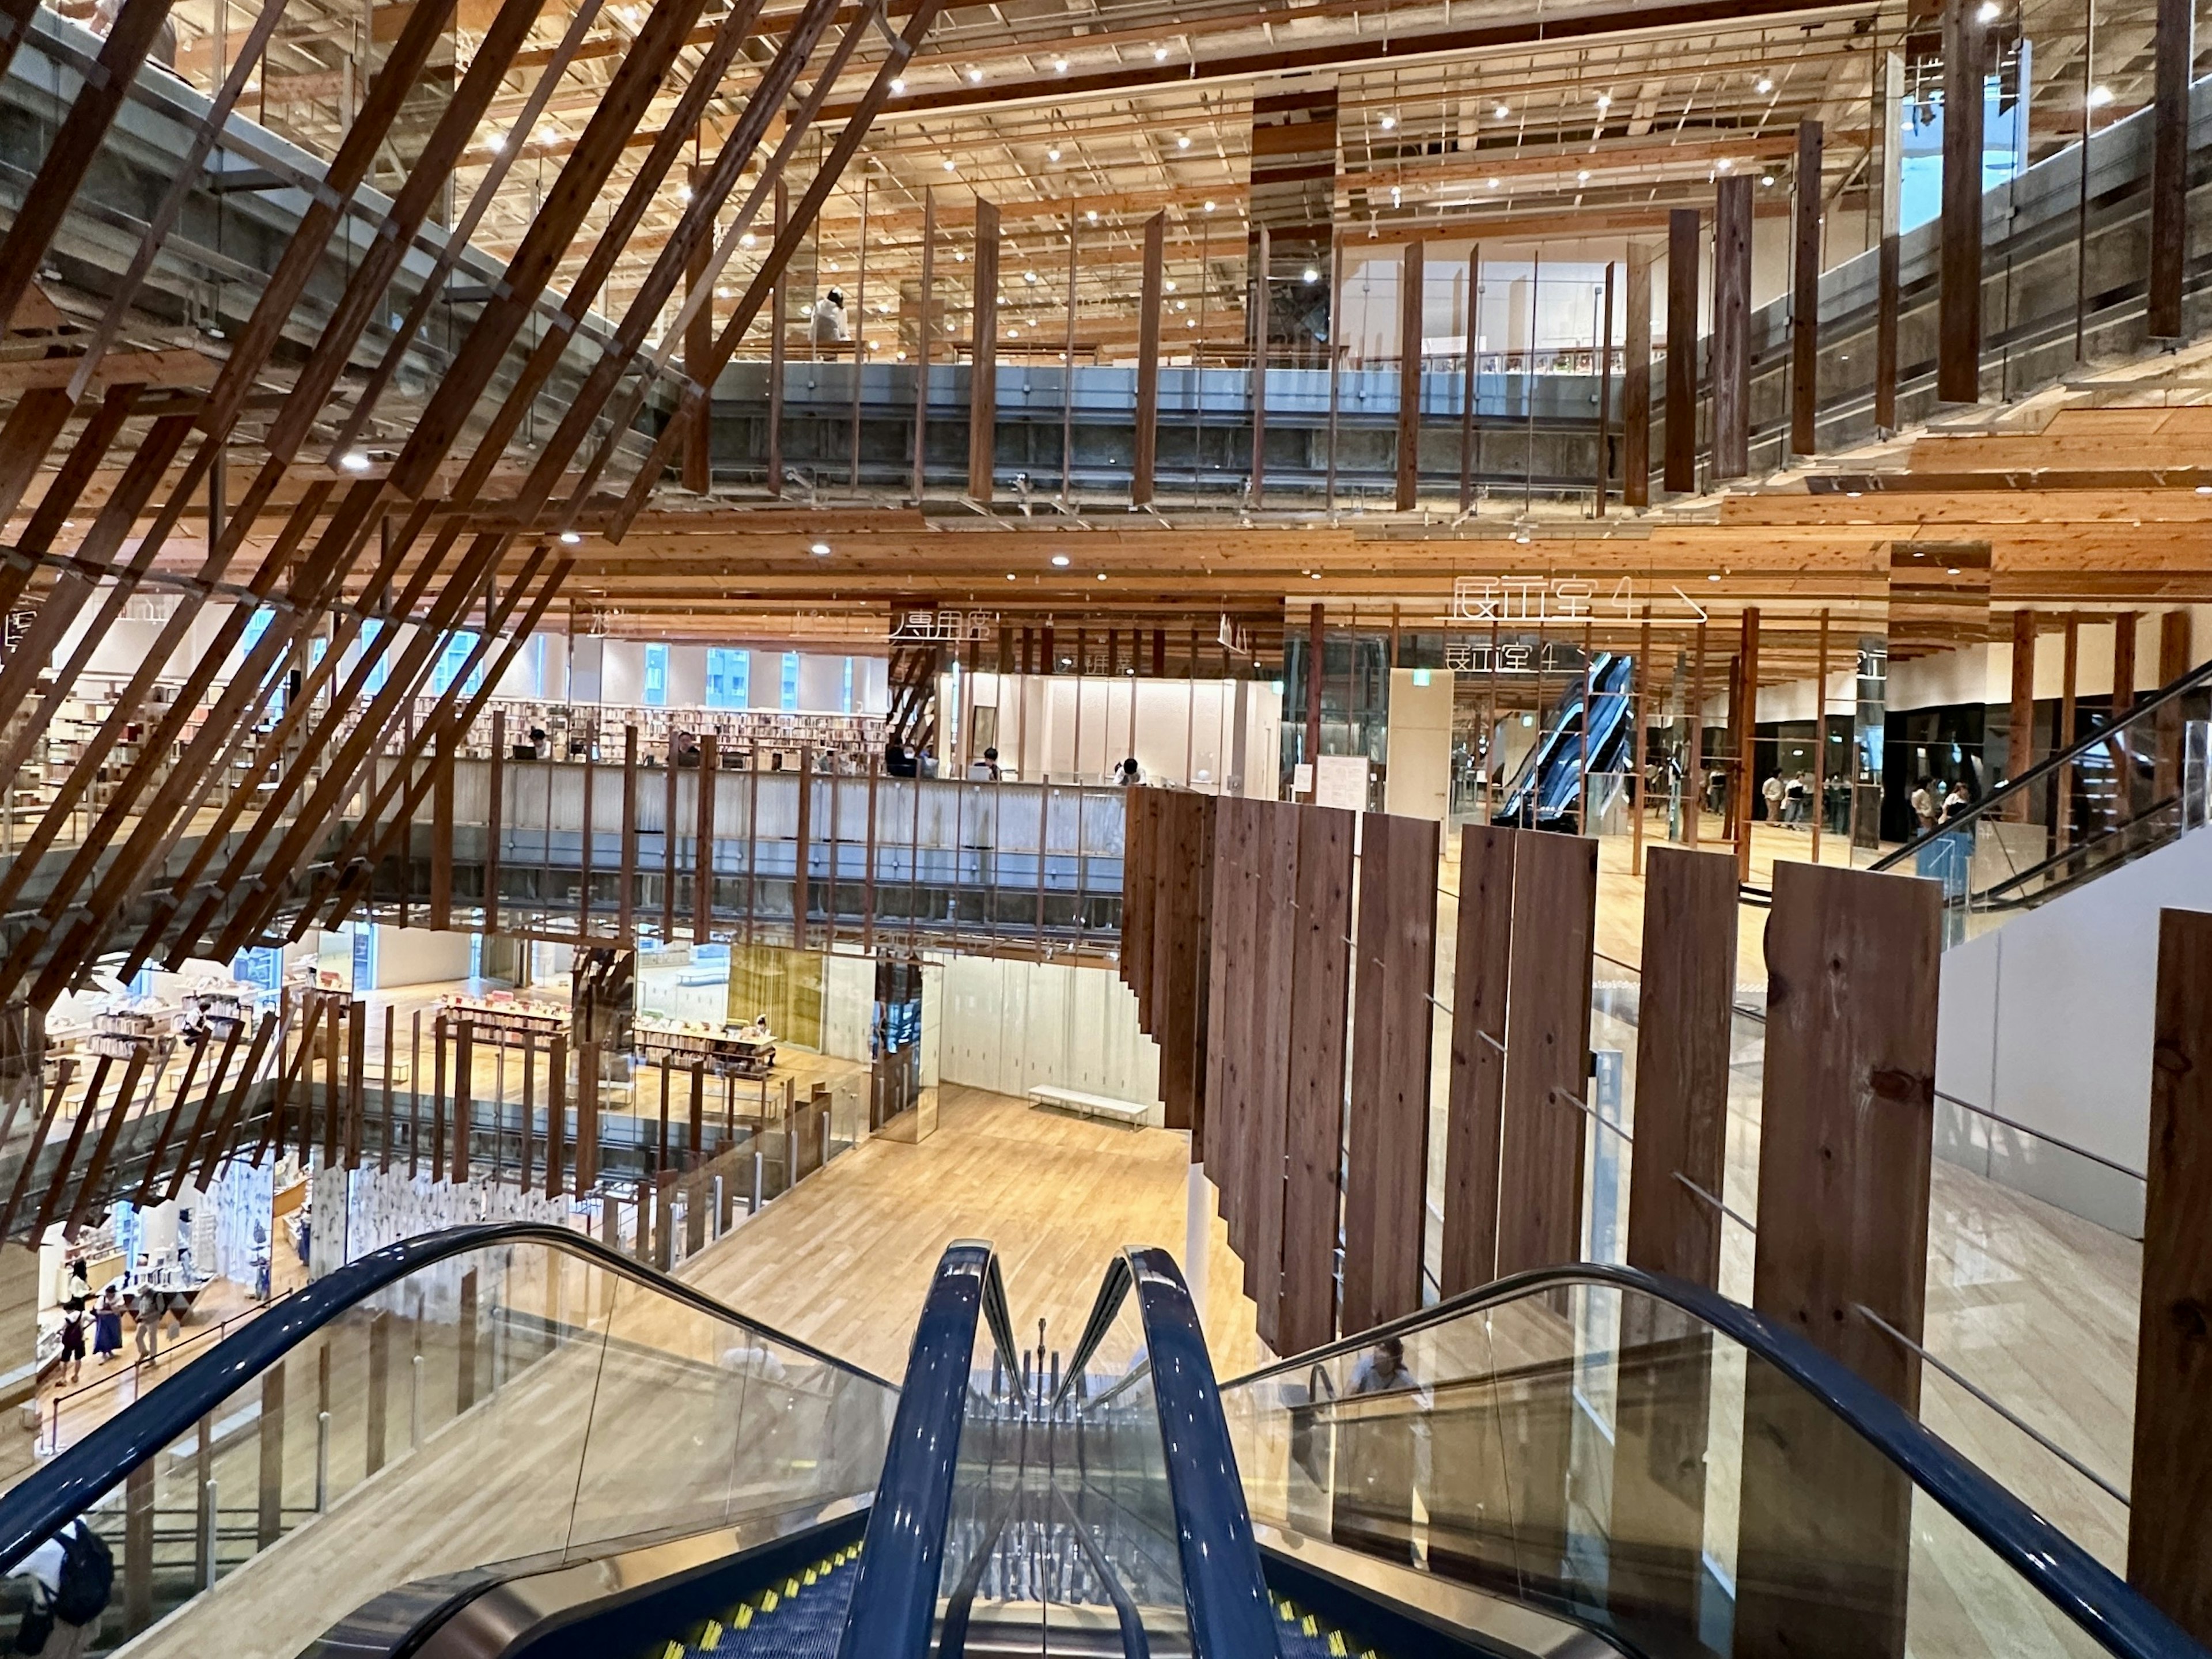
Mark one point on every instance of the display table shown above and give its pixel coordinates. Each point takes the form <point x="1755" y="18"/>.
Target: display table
<point x="505" y="1022"/>
<point x="726" y="1050"/>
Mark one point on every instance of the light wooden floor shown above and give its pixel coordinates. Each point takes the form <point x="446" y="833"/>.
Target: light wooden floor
<point x="844" y="1260"/>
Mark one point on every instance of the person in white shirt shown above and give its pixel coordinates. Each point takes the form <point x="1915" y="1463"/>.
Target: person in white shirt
<point x="830" y="325"/>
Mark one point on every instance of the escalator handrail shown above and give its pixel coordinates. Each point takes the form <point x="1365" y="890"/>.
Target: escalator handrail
<point x="1224" y="1585"/>
<point x="1992" y="805"/>
<point x="32" y="1512"/>
<point x="901" y="1557"/>
<point x="2067" y="1576"/>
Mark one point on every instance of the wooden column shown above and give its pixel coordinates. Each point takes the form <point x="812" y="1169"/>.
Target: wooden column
<point x="1481" y="961"/>
<point x="1546" y="1052"/>
<point x="626" y="895"/>
<point x="779" y="320"/>
<point x="1385" y="1197"/>
<point x="1845" y="1139"/>
<point x="1148" y="360"/>
<point x="1313" y="1119"/>
<point x="1890" y="68"/>
<point x="1732" y="327"/>
<point x="698" y="353"/>
<point x="702" y="842"/>
<point x="556" y="1117"/>
<point x="2019" y="737"/>
<point x="1805" y="293"/>
<point x="464" y="1098"/>
<point x="1274" y="851"/>
<point x="1636" y="383"/>
<point x="921" y="340"/>
<point x="983" y="360"/>
<point x="1746" y="741"/>
<point x="2169" y="1547"/>
<point x="494" y="801"/>
<point x="441" y="829"/>
<point x="1681" y="471"/>
<point x="1257" y="307"/>
<point x="1412" y="282"/>
<point x="801" y="879"/>
<point x="1958" y="323"/>
<point x="2174" y="48"/>
<point x="2069" y="726"/>
<point x="1603" y="471"/>
<point x="1313" y="685"/>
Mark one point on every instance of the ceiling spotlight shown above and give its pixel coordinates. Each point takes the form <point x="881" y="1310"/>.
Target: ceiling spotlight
<point x="1010" y="575"/>
<point x="1102" y="577"/>
<point x="682" y="192"/>
<point x="975" y="77"/>
<point x="1092" y="216"/>
<point x="959" y="255"/>
<point x="496" y="142"/>
<point x="1168" y="284"/>
<point x="1988" y="13"/>
<point x="1715" y="577"/>
<point x="1059" y="561"/>
<point x="1727" y="166"/>
<point x="1209" y="205"/>
<point x="820" y="550"/>
<point x="1605" y="100"/>
<point x="1397" y="196"/>
<point x="1190" y="322"/>
<point x="1160" y="54"/>
<point x="2100" y="96"/>
<point x="1053" y="153"/>
<point x="354" y="461"/>
<point x="1028" y="275"/>
<point x="1309" y="274"/>
<point x="721" y="293"/>
<point x="948" y="164"/>
<point x="1764" y="85"/>
<point x="1316" y="574"/>
<point x="1388" y="122"/>
<point x="898" y="83"/>
<point x="747" y="239"/>
<point x="1183" y="141"/>
<point x="1059" y="66"/>
<point x="1582" y="177"/>
<point x="1182" y="305"/>
<point x="1490" y="184"/>
<point x="569" y="538"/>
<point x="1501" y="112"/>
<point x="1013" y="334"/>
<point x="2204" y="490"/>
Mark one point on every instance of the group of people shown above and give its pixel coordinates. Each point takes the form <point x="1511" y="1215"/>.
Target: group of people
<point x="1936" y="803"/>
<point x="147" y="1305"/>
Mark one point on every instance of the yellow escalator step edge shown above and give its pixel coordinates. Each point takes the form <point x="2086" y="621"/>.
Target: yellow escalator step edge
<point x="1336" y="1643"/>
<point x="712" y="1637"/>
<point x="673" y="1650"/>
<point x="1307" y="1627"/>
<point x="744" y="1618"/>
<point x="810" y="1575"/>
<point x="768" y="1601"/>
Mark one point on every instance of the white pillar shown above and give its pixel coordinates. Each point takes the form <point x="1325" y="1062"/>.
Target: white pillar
<point x="1197" y="1234"/>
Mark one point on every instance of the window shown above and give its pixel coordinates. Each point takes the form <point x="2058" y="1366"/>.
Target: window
<point x="457" y="646"/>
<point x="656" y="676"/>
<point x="849" y="686"/>
<point x="790" y="697"/>
<point x="372" y="636"/>
<point x="729" y="677"/>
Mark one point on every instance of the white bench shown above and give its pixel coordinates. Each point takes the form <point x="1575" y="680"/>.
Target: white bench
<point x="1074" y="1100"/>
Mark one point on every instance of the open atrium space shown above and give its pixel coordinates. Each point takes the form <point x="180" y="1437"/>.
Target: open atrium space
<point x="1105" y="830"/>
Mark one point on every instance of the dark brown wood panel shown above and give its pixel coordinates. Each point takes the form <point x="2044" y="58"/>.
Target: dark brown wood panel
<point x="983" y="366"/>
<point x="1274" y="851"/>
<point x="1481" y="960"/>
<point x="1546" y="1052"/>
<point x="1313" y="1119"/>
<point x="1411" y="288"/>
<point x="1732" y="327"/>
<point x="1386" y="1182"/>
<point x="2169" y="1546"/>
<point x="1958" y="311"/>
<point x="1846" y="1137"/>
<point x="1636" y="383"/>
<point x="1805" y="292"/>
<point x="1148" y="361"/>
<point x="2174" y="49"/>
<point x="1680" y="473"/>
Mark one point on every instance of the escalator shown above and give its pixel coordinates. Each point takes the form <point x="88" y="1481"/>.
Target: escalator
<point x="508" y="1441"/>
<point x="1546" y="793"/>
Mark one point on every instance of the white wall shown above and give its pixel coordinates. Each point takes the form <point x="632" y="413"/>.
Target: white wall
<point x="1420" y="781"/>
<point x="687" y="675"/>
<point x="1184" y="732"/>
<point x="418" y="956"/>
<point x="1013" y="1026"/>
<point x="622" y="672"/>
<point x="2047" y="1020"/>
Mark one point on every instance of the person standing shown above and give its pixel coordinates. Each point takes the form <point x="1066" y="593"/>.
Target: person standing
<point x="146" y="1314"/>
<point x="1925" y="800"/>
<point x="74" y="1320"/>
<point x="72" y="1577"/>
<point x="108" y="1327"/>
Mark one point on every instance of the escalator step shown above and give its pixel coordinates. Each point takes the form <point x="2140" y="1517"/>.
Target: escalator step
<point x="800" y="1620"/>
<point x="1306" y="1637"/>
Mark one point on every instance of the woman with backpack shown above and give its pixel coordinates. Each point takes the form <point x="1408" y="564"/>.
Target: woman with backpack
<point x="74" y="1320"/>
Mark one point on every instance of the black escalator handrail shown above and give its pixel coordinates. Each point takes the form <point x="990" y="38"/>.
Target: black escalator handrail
<point x="895" y="1593"/>
<point x="34" y="1510"/>
<point x="1224" y="1585"/>
<point x="2007" y="791"/>
<point x="2058" y="1568"/>
<point x="1104" y="1308"/>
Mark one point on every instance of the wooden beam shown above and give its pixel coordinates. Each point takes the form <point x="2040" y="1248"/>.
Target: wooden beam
<point x="1959" y="324"/>
<point x="1256" y="307"/>
<point x="2173" y="48"/>
<point x="983" y="363"/>
<point x="1889" y="70"/>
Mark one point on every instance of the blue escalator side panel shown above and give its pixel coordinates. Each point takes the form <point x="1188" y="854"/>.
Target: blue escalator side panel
<point x="1224" y="1587"/>
<point x="894" y="1594"/>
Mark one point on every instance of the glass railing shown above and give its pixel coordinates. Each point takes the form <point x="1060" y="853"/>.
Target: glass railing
<point x="2121" y="789"/>
<point x="1669" y="1469"/>
<point x="491" y="1394"/>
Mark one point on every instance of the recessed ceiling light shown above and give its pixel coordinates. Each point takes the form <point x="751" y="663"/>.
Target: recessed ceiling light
<point x="1855" y="494"/>
<point x="1160" y="54"/>
<point x="1582" y="177"/>
<point x="1766" y="179"/>
<point x="1388" y="122"/>
<point x="1501" y="112"/>
<point x="1764" y="85"/>
<point x="1092" y="216"/>
<point x="747" y="239"/>
<point x="948" y="164"/>
<point x="1727" y="166"/>
<point x="1988" y="13"/>
<point x="1316" y="574"/>
<point x="354" y="461"/>
<point x="1102" y="577"/>
<point x="1183" y="141"/>
<point x="1059" y="66"/>
<point x="1053" y="154"/>
<point x="1010" y="575"/>
<point x="1060" y="560"/>
<point x="2100" y="96"/>
<point x="1209" y="205"/>
<point x="1953" y="571"/>
<point x="975" y="77"/>
<point x="1169" y="284"/>
<point x="1490" y="184"/>
<point x="1310" y="274"/>
<point x="1190" y="322"/>
<point x="898" y="83"/>
<point x="569" y="538"/>
<point x="1714" y="577"/>
<point x="1028" y="275"/>
<point x="820" y="550"/>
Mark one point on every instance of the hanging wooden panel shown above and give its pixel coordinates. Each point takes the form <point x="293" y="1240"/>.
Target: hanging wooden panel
<point x="1314" y="1112"/>
<point x="1481" y="961"/>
